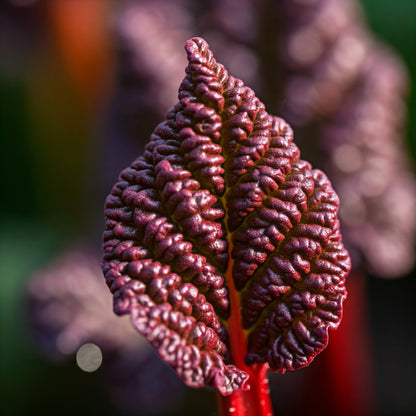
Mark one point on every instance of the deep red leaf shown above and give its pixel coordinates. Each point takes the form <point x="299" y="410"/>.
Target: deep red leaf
<point x="220" y="193"/>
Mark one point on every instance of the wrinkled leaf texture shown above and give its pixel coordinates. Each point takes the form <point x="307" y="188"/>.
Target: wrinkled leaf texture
<point x="219" y="193"/>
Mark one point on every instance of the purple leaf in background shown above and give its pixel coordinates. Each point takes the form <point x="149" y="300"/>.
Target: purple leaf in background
<point x="69" y="306"/>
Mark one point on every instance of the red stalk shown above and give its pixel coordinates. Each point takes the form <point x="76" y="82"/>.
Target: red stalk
<point x="349" y="358"/>
<point x="345" y="371"/>
<point x="255" y="401"/>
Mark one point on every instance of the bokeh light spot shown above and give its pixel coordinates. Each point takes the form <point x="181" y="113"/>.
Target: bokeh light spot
<point x="89" y="357"/>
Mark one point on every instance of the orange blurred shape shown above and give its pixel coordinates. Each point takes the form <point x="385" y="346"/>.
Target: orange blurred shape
<point x="81" y="29"/>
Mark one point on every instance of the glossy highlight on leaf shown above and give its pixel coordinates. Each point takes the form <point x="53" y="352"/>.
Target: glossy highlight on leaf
<point x="221" y="193"/>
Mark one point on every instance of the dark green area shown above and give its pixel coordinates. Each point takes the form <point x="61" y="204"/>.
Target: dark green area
<point x="16" y="163"/>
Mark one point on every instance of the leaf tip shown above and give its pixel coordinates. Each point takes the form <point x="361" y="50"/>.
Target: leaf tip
<point x="195" y="47"/>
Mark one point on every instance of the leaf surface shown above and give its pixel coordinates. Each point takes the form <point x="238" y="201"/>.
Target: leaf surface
<point x="221" y="193"/>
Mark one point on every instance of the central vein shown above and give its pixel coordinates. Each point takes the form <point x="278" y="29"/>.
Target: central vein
<point x="237" y="336"/>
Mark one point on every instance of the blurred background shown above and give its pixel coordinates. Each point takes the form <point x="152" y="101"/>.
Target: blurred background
<point x="82" y="85"/>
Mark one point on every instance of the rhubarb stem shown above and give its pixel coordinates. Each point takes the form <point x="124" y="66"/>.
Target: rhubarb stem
<point x="349" y="357"/>
<point x="256" y="400"/>
<point x="253" y="402"/>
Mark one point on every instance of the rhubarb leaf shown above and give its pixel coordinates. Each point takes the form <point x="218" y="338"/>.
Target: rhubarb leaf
<point x="220" y="193"/>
